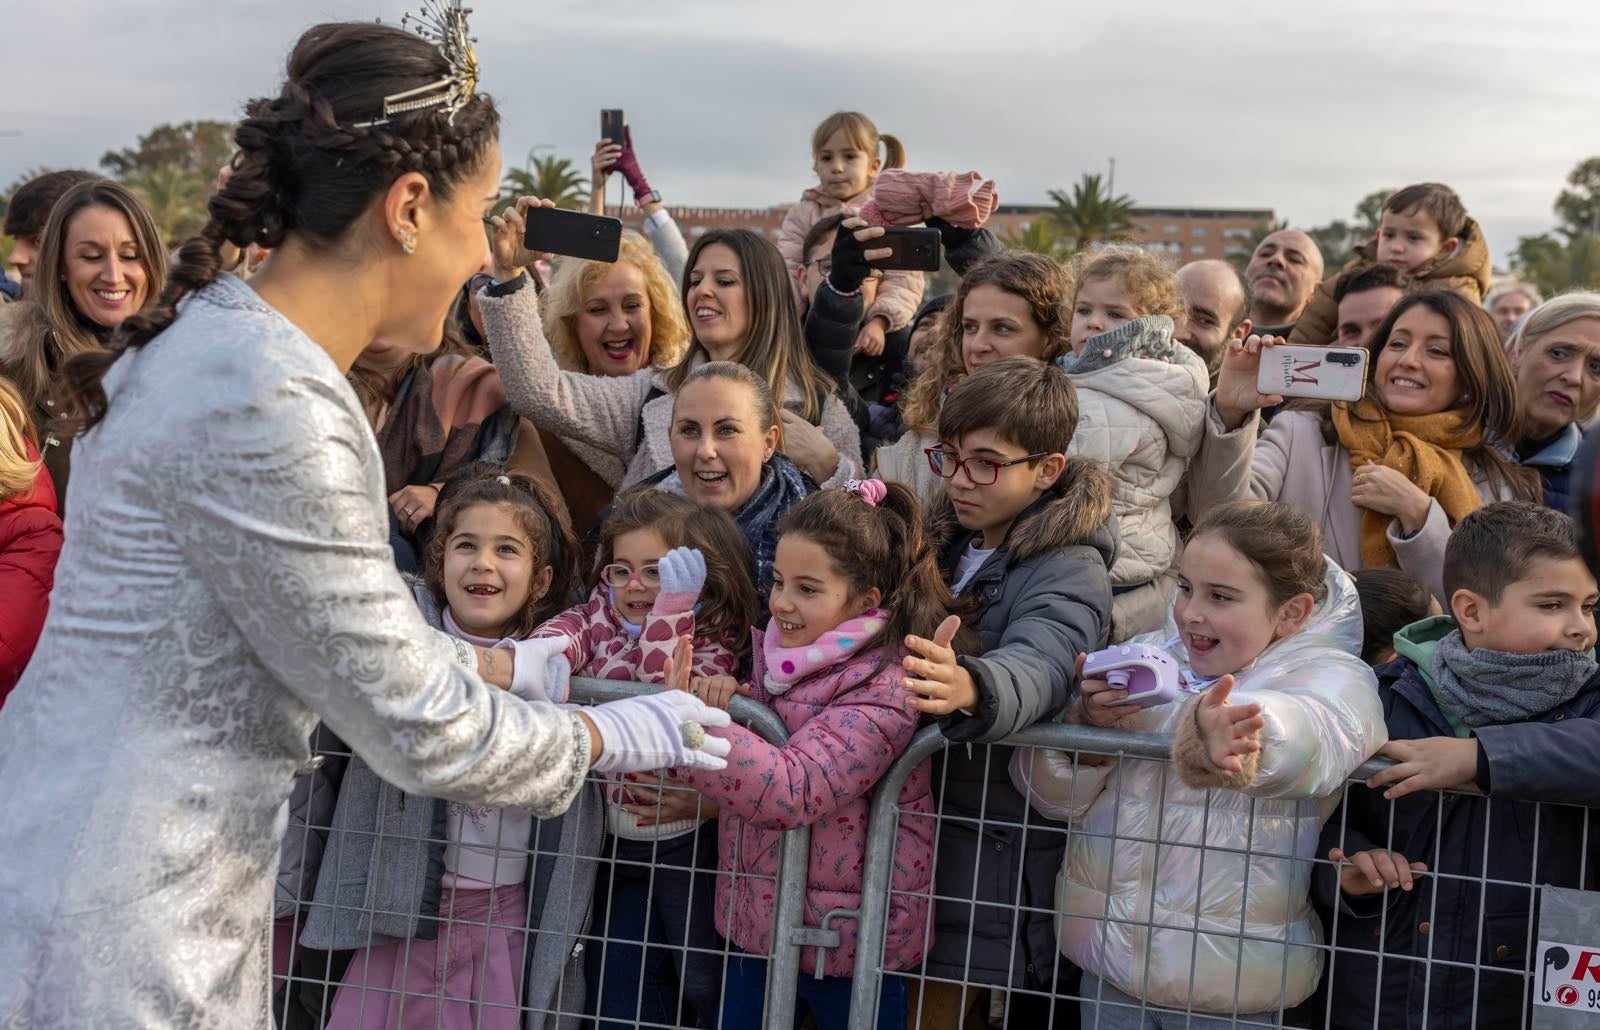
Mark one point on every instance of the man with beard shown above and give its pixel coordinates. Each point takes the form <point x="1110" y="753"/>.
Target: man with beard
<point x="1216" y="309"/>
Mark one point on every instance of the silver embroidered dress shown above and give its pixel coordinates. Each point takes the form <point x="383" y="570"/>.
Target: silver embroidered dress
<point x="227" y="580"/>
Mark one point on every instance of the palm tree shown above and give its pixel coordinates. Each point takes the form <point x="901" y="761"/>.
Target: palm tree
<point x="1090" y="215"/>
<point x="176" y="198"/>
<point x="1040" y="237"/>
<point x="550" y="177"/>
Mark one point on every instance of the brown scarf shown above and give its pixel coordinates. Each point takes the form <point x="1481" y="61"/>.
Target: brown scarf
<point x="1426" y="449"/>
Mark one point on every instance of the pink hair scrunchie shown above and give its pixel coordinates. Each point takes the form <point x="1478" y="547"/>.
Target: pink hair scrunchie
<point x="870" y="490"/>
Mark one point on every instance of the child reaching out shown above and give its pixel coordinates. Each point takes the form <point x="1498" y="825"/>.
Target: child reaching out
<point x="668" y="570"/>
<point x="844" y="150"/>
<point x="450" y="950"/>
<point x="1215" y="919"/>
<point x="1502" y="694"/>
<point x="852" y="578"/>
<point x="1142" y="404"/>
<point x="1423" y="231"/>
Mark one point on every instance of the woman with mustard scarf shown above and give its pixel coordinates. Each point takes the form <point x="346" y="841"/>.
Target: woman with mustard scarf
<point x="1387" y="476"/>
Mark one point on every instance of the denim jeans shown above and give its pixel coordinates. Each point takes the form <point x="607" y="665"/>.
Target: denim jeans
<point x="744" y="998"/>
<point x="660" y="892"/>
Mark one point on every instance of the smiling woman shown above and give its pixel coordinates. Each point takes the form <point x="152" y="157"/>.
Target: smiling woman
<point x="1387" y="476"/>
<point x="100" y="261"/>
<point x="228" y="580"/>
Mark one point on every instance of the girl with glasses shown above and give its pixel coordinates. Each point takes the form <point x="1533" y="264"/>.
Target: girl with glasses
<point x="667" y="569"/>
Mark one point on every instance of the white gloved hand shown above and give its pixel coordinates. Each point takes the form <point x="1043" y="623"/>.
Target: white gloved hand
<point x="639" y="734"/>
<point x="540" y="671"/>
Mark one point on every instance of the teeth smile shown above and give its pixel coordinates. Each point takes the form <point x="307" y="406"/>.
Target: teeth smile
<point x="711" y="477"/>
<point x="111" y="295"/>
<point x="482" y="590"/>
<point x="788" y="627"/>
<point x="706" y="312"/>
<point x="1410" y="384"/>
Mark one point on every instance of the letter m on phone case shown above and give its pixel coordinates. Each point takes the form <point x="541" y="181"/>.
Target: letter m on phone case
<point x="1298" y="373"/>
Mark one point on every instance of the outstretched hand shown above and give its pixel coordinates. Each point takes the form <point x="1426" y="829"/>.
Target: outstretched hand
<point x="1228" y="731"/>
<point x="942" y="686"/>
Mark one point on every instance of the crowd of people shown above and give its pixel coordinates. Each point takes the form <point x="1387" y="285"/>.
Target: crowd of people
<point x="355" y="472"/>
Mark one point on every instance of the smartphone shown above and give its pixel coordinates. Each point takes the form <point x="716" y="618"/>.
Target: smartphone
<point x="551" y="230"/>
<point x="1326" y="373"/>
<point x="611" y="126"/>
<point x="914" y="250"/>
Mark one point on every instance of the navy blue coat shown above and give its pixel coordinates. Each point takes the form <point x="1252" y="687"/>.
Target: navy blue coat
<point x="1464" y="840"/>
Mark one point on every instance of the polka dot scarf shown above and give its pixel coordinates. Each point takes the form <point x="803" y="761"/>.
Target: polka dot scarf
<point x="787" y="666"/>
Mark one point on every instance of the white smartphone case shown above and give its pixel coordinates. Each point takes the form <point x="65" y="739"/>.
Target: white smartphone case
<point x="1326" y="373"/>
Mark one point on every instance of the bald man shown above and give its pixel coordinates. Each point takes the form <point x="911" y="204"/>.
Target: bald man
<point x="1282" y="274"/>
<point x="1217" y="309"/>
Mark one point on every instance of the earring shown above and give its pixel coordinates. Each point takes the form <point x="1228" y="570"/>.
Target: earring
<point x="408" y="242"/>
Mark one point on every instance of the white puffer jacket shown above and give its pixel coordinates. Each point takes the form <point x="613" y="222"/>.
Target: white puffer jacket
<point x="1133" y="859"/>
<point x="1144" y="417"/>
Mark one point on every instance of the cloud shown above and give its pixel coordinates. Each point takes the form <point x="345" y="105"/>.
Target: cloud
<point x="1303" y="108"/>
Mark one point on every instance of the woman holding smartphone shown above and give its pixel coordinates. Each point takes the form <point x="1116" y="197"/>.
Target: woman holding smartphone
<point x="1387" y="476"/>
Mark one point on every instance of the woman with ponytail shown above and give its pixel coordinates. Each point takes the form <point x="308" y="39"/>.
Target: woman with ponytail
<point x="228" y="579"/>
<point x="854" y="577"/>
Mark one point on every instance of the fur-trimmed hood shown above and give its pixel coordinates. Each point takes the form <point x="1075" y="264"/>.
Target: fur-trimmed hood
<point x="1076" y="511"/>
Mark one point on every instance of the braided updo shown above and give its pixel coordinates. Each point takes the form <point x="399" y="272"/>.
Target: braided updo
<point x="303" y="166"/>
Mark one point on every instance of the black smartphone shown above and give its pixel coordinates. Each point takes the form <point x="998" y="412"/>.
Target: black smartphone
<point x="611" y="126"/>
<point x="551" y="230"/>
<point x="915" y="250"/>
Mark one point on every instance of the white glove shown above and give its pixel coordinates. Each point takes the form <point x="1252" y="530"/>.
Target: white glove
<point x="639" y="734"/>
<point x="539" y="671"/>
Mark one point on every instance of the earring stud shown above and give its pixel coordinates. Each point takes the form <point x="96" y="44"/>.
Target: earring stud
<point x="408" y="243"/>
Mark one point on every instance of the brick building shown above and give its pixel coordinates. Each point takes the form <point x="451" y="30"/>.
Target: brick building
<point x="1183" y="233"/>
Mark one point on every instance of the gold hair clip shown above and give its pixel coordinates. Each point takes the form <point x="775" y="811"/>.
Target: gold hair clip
<point x="444" y="24"/>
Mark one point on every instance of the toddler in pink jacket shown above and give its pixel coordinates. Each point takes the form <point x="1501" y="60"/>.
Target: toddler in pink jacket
<point x="844" y="151"/>
<point x="851" y="578"/>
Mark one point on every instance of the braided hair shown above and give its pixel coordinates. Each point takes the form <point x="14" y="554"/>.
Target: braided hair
<point x="306" y="166"/>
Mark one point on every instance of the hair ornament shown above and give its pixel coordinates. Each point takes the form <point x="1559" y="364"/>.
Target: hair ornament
<point x="870" y="490"/>
<point x="444" y="24"/>
<point x="503" y="480"/>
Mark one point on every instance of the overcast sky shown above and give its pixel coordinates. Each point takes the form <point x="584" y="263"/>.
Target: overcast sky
<point x="1301" y="107"/>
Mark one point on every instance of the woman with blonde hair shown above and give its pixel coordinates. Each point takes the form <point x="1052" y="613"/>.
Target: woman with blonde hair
<point x="30" y="539"/>
<point x="100" y="261"/>
<point x="1555" y="358"/>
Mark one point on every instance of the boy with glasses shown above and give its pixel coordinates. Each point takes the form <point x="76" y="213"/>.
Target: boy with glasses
<point x="1026" y="539"/>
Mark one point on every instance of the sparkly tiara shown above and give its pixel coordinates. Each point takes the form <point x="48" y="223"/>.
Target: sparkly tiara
<point x="444" y="24"/>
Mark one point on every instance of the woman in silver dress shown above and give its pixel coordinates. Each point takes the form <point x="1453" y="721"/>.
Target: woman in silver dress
<point x="228" y="579"/>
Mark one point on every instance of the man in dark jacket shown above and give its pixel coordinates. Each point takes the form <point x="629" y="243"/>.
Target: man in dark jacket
<point x="1503" y="697"/>
<point x="1026" y="539"/>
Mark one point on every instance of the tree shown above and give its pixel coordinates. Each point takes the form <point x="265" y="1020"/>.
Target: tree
<point x="1090" y="215"/>
<point x="1040" y="237"/>
<point x="176" y="199"/>
<point x="1579" y="207"/>
<point x="1556" y="263"/>
<point x="550" y="177"/>
<point x="197" y="148"/>
<point x="1369" y="212"/>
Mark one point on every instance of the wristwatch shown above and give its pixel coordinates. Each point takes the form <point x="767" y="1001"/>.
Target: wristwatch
<point x="653" y="197"/>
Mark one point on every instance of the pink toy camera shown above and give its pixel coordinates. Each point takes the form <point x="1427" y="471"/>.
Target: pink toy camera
<point x="1148" y="674"/>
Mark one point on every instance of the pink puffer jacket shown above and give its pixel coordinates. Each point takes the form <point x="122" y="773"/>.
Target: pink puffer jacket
<point x="847" y="726"/>
<point x="899" y="293"/>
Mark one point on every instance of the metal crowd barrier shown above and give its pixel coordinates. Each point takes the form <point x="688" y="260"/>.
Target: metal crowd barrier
<point x="304" y="993"/>
<point x="1500" y="971"/>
